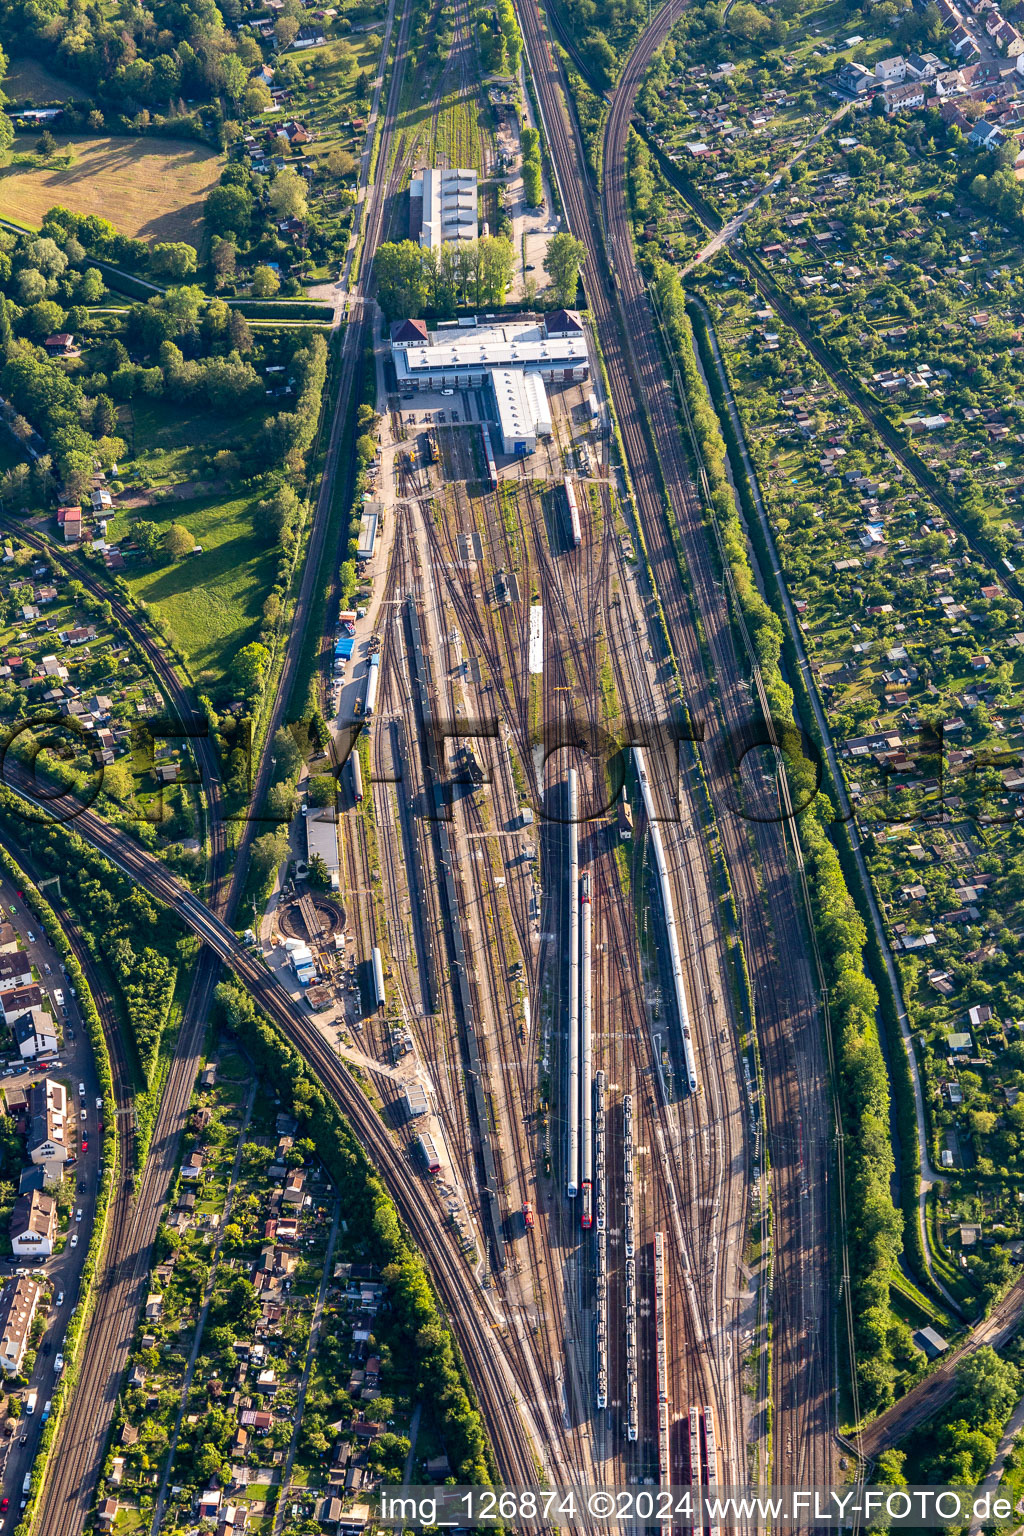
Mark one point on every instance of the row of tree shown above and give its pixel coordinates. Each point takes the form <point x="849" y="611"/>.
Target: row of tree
<point x="875" y="1226"/>
<point x="411" y="279"/>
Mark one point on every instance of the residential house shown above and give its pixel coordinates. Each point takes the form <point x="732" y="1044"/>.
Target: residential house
<point x="69" y="519"/>
<point x="192" y="1167"/>
<point x="294" y="1190"/>
<point x="35" y="1034"/>
<point x="891" y="71"/>
<point x="60" y="344"/>
<point x="18" y="1302"/>
<point x="15" y="970"/>
<point x="903" y="98"/>
<point x="985" y="135"/>
<point x="15" y="1000"/>
<point x="33" y="1225"/>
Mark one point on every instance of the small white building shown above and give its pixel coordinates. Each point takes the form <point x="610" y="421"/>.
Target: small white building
<point x="35" y="1034"/>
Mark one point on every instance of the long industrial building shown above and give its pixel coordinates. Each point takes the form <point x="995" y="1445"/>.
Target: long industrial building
<point x="447" y="204"/>
<point x="516" y="358"/>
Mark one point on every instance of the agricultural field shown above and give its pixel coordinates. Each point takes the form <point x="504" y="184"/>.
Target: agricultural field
<point x="149" y="188"/>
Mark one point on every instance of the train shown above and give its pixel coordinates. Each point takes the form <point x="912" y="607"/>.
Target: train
<point x="431" y="452"/>
<point x="357" y="778"/>
<point x="372" y="682"/>
<point x="668" y="907"/>
<point x="572" y="1173"/>
<point x="527" y="1214"/>
<point x="575" y="531"/>
<point x="586" y="1057"/>
<point x="661" y="1345"/>
<point x="490" y="467"/>
<point x="428" y="1152"/>
<point x="601" y="1282"/>
<point x="599" y="1180"/>
<point x="632" y="1409"/>
<point x="379" y="995"/>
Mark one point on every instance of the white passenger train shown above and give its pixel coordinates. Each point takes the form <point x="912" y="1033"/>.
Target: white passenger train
<point x="668" y="907"/>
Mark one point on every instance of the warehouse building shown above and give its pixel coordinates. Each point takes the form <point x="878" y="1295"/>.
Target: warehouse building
<point x="511" y="360"/>
<point x="446" y="203"/>
<point x="463" y="354"/>
<point x="322" y="839"/>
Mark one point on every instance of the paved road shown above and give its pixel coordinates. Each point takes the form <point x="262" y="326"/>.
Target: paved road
<point x="63" y="1272"/>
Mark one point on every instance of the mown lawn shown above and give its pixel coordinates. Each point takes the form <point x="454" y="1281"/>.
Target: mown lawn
<point x="212" y="601"/>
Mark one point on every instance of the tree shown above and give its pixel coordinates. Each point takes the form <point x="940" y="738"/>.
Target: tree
<point x="46" y="144"/>
<point x="277" y="515"/>
<point x="564" y="259"/>
<point x="47" y="257"/>
<point x="257" y="99"/>
<point x="45" y="318"/>
<point x="228" y="212"/>
<point x="89" y="289"/>
<point x="341" y="164"/>
<point x="147" y="536"/>
<point x="988" y="1387"/>
<point x="178" y="542"/>
<point x="268" y="853"/>
<point x="286" y="30"/>
<point x="104" y="416"/>
<point x="174" y="258"/>
<point x="239" y="332"/>
<point x="288" y="195"/>
<point x="265" y="282"/>
<point x="401" y="274"/>
<point x="248" y="667"/>
<point x="223" y="256"/>
<point x="366" y="449"/>
<point x="322" y="789"/>
<point x="318" y="874"/>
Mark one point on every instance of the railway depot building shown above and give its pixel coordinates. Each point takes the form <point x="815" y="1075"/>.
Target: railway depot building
<point x="513" y="359"/>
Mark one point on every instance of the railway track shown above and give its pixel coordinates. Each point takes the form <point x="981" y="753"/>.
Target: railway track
<point x="700" y="639"/>
<point x="500" y="1402"/>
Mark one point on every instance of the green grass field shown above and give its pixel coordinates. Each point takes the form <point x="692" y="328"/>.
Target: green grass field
<point x="211" y="601"/>
<point x="169" y="442"/>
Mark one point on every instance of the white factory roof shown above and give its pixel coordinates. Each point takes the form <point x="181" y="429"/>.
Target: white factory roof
<point x="537" y="395"/>
<point x="449" y="205"/>
<point x="515" y="408"/>
<point x="492" y="347"/>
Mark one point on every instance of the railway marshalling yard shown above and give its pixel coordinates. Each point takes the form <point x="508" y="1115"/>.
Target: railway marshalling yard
<point x="535" y="660"/>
